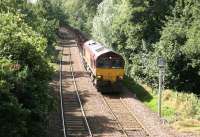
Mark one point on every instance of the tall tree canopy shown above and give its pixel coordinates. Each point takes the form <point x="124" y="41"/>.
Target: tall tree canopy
<point x="27" y="40"/>
<point x="142" y="31"/>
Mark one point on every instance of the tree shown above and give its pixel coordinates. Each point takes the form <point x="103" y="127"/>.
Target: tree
<point x="24" y="90"/>
<point x="13" y="117"/>
<point x="179" y="44"/>
<point x="81" y="13"/>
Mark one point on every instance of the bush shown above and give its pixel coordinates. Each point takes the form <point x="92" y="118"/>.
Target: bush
<point x="25" y="100"/>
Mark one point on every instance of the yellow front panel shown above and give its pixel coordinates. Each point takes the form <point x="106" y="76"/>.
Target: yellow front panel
<point x="109" y="73"/>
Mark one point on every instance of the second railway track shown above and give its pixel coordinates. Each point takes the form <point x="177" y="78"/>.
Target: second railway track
<point x="130" y="126"/>
<point x="75" y="123"/>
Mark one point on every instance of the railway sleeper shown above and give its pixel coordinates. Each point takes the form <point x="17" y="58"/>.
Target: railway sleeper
<point x="72" y="118"/>
<point x="140" y="133"/>
<point x="75" y="127"/>
<point x="69" y="95"/>
<point x="72" y="103"/>
<point x="76" y="122"/>
<point x="69" y="107"/>
<point x="133" y="129"/>
<point x="70" y="100"/>
<point x="71" y="110"/>
<point x="78" y="134"/>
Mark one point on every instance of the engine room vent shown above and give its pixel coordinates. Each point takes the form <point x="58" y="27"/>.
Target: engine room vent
<point x="100" y="49"/>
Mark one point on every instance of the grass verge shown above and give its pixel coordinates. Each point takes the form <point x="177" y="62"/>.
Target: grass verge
<point x="181" y="110"/>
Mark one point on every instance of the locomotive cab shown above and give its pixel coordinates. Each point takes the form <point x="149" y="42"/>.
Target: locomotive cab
<point x="109" y="70"/>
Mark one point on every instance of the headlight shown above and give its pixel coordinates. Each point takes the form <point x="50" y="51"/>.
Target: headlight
<point x="99" y="77"/>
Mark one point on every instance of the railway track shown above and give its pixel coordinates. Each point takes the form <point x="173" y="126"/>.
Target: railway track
<point x="74" y="121"/>
<point x="130" y="126"/>
<point x="127" y="121"/>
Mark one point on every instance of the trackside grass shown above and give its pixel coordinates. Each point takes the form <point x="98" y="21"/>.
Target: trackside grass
<point x="181" y="110"/>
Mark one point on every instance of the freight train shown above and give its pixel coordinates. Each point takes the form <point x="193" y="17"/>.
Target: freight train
<point x="105" y="66"/>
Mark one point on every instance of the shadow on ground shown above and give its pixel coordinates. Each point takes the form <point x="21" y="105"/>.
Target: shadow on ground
<point x="98" y="124"/>
<point x="137" y="89"/>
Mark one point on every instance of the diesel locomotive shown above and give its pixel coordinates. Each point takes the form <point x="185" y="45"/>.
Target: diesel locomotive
<point x="106" y="67"/>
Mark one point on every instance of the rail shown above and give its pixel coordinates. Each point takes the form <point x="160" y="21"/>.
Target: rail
<point x="123" y="130"/>
<point x="63" y="119"/>
<point x="126" y="132"/>
<point x="77" y="93"/>
<point x="61" y="97"/>
<point x="125" y="105"/>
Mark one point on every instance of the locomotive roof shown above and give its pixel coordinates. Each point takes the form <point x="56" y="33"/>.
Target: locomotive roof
<point x="96" y="48"/>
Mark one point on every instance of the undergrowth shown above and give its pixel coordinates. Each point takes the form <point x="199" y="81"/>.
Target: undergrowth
<point x="180" y="109"/>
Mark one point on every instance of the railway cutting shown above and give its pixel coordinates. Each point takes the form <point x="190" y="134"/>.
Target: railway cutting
<point x="101" y="115"/>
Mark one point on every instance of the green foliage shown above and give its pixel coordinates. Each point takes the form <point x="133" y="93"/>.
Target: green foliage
<point x="27" y="40"/>
<point x="144" y="30"/>
<point x="26" y="77"/>
<point x="126" y="32"/>
<point x="179" y="44"/>
<point x="45" y="17"/>
<point x="16" y="36"/>
<point x="13" y="116"/>
<point x="81" y="13"/>
<point x="12" y="5"/>
<point x="102" y="22"/>
<point x="186" y="105"/>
